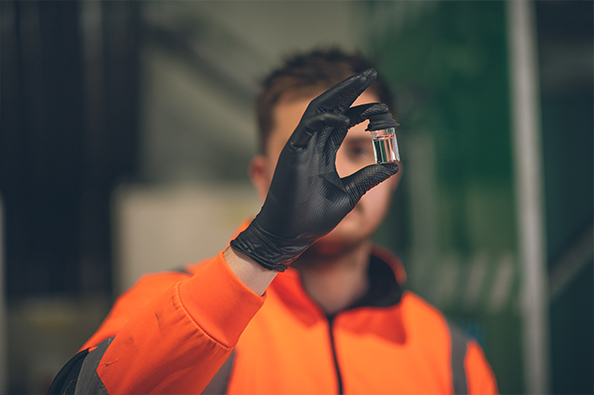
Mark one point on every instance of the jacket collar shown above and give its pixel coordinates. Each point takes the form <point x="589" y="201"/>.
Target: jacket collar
<point x="386" y="274"/>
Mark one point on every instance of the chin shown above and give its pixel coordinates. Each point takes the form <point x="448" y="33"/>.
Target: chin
<point x="355" y="229"/>
<point x="342" y="240"/>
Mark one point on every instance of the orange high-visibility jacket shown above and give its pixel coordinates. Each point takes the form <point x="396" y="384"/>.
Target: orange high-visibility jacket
<point x="172" y="331"/>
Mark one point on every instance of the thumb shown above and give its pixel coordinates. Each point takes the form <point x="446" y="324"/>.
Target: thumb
<point x="357" y="184"/>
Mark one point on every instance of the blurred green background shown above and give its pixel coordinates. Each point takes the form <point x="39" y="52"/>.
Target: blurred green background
<point x="113" y="107"/>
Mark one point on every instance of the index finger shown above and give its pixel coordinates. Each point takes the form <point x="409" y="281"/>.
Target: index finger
<point x="342" y="95"/>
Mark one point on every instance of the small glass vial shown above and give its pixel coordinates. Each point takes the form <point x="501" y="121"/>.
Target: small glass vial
<point x="383" y="136"/>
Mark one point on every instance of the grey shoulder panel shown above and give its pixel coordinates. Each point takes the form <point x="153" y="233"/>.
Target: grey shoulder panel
<point x="218" y="384"/>
<point x="459" y="340"/>
<point x="89" y="382"/>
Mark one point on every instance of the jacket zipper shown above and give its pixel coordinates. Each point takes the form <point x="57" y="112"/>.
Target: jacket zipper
<point x="336" y="367"/>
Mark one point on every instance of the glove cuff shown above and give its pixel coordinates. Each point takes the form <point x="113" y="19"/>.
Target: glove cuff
<point x="266" y="249"/>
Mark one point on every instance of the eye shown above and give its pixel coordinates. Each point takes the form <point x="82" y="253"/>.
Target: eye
<point x="360" y="151"/>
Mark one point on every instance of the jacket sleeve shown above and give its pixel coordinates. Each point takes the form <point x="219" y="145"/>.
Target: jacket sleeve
<point x="480" y="376"/>
<point x="176" y="343"/>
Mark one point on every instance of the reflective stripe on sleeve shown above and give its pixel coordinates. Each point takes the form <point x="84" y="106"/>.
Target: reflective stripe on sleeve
<point x="459" y="340"/>
<point x="89" y="382"/>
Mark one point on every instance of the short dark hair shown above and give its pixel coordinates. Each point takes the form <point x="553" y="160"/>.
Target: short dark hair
<point x="303" y="73"/>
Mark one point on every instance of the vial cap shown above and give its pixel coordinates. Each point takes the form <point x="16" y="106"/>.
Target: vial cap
<point x="381" y="121"/>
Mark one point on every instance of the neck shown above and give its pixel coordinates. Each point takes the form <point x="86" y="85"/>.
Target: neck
<point x="335" y="282"/>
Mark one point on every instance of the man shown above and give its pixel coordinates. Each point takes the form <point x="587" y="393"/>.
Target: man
<point x="300" y="301"/>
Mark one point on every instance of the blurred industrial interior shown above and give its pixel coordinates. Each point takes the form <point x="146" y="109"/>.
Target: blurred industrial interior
<point x="127" y="127"/>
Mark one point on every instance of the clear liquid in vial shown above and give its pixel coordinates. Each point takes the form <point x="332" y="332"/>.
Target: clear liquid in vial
<point x="385" y="148"/>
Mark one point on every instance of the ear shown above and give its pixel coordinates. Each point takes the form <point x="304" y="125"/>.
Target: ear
<point x="259" y="175"/>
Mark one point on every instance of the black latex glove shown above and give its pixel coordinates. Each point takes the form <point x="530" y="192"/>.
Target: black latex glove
<point x="307" y="198"/>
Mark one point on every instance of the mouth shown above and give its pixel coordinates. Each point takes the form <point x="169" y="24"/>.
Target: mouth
<point x="356" y="210"/>
<point x="358" y="206"/>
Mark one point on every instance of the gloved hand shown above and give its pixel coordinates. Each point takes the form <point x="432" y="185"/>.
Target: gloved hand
<point x="307" y="198"/>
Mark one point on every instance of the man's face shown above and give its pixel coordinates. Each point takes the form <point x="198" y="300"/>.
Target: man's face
<point x="355" y="153"/>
